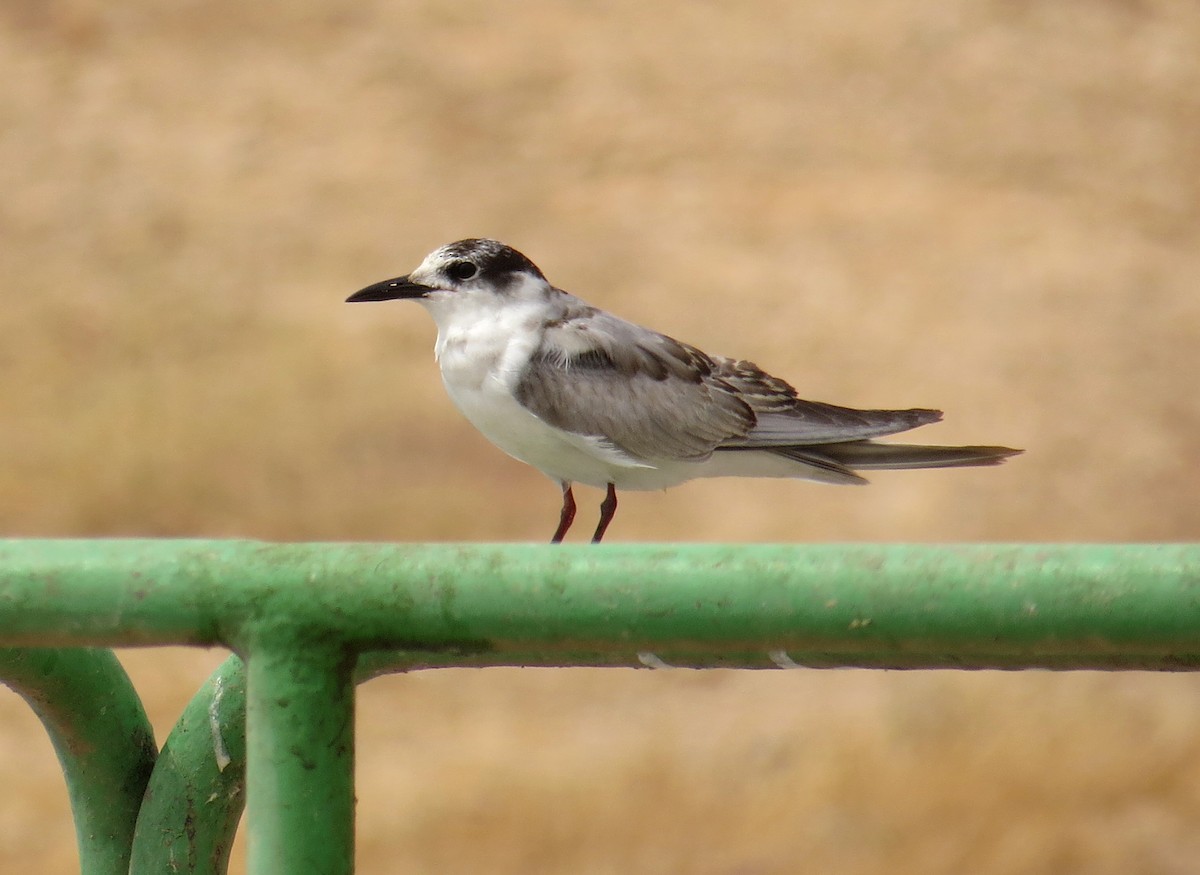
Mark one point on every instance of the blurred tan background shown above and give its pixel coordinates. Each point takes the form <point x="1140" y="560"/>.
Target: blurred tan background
<point x="990" y="207"/>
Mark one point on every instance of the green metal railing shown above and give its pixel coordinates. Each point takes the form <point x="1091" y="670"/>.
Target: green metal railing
<point x="311" y="620"/>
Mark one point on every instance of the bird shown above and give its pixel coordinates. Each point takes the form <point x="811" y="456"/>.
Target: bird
<point x="587" y="397"/>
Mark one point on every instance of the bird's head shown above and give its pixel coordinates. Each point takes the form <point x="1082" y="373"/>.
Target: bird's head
<point x="474" y="274"/>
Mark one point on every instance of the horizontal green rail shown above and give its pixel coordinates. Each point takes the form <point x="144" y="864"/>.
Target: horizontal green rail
<point x="1075" y="606"/>
<point x="310" y="620"/>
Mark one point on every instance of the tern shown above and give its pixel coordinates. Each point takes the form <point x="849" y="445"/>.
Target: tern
<point x="587" y="397"/>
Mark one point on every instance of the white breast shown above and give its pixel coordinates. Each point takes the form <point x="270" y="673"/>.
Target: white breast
<point x="481" y="362"/>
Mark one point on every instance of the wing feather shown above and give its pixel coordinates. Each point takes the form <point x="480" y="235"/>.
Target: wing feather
<point x="644" y="392"/>
<point x="656" y="398"/>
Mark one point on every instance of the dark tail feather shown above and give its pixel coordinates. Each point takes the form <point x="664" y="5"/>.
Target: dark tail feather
<point x="868" y="455"/>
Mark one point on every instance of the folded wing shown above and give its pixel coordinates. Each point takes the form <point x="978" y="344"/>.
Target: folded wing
<point x="655" y="398"/>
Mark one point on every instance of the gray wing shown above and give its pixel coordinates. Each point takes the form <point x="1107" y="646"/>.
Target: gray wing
<point x="783" y="419"/>
<point x="654" y="397"/>
<point x="648" y="395"/>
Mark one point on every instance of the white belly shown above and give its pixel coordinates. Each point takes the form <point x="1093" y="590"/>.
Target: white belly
<point x="512" y="428"/>
<point x="480" y="368"/>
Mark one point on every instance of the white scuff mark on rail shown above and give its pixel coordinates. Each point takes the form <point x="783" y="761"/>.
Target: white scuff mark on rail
<point x="651" y="661"/>
<point x="214" y="724"/>
<point x="782" y="660"/>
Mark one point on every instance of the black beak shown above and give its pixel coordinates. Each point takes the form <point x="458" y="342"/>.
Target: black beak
<point x="390" y="290"/>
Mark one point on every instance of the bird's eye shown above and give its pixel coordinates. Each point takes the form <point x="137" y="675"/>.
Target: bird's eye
<point x="461" y="270"/>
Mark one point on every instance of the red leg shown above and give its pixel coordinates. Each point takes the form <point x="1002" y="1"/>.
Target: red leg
<point x="608" y="510"/>
<point x="567" y="516"/>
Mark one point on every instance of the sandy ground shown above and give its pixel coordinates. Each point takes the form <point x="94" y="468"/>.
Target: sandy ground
<point x="992" y="208"/>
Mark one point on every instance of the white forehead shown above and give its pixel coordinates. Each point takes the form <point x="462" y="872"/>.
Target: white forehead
<point x="437" y="259"/>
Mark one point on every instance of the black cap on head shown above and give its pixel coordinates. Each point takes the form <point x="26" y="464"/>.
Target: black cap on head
<point x="494" y="259"/>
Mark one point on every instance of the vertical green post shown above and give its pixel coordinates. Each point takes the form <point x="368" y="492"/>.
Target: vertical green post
<point x="300" y="758"/>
